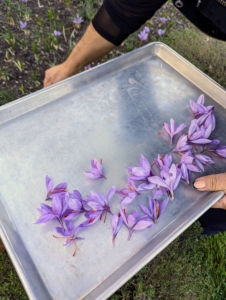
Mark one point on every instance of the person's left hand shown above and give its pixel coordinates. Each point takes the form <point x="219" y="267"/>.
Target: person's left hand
<point x="213" y="183"/>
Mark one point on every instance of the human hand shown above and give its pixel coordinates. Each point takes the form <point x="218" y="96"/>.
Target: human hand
<point x="213" y="183"/>
<point x="56" y="74"/>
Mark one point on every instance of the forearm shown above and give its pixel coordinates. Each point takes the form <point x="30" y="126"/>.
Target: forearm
<point x="91" y="47"/>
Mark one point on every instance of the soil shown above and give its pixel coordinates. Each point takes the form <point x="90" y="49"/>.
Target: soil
<point x="37" y="48"/>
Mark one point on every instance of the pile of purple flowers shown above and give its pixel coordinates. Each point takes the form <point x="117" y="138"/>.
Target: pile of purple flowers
<point x="161" y="177"/>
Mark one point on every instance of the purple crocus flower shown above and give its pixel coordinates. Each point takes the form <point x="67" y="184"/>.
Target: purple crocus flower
<point x="78" y="20"/>
<point x="161" y="32"/>
<point x="58" y="209"/>
<point x="163" y="20"/>
<point x="69" y="233"/>
<point x="23" y="24"/>
<point x="156" y="209"/>
<point x="165" y="160"/>
<point x="60" y="188"/>
<point x="182" y="144"/>
<point x="172" y="128"/>
<point x="202" y="160"/>
<point x="220" y="151"/>
<point x="133" y="221"/>
<point x="99" y="204"/>
<point x="143" y="35"/>
<point x="76" y="205"/>
<point x="167" y="179"/>
<point x="116" y="224"/>
<point x="205" y="113"/>
<point x="96" y="170"/>
<point x="56" y="33"/>
<point x="130" y="194"/>
<point x="195" y="135"/>
<point x="186" y="165"/>
<point x="142" y="172"/>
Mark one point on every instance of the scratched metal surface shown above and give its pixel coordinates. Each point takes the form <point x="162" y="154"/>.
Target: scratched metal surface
<point x="112" y="112"/>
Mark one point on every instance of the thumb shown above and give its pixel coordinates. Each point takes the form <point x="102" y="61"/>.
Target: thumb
<point x="211" y="183"/>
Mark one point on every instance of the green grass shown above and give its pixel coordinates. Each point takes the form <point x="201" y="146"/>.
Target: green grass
<point x="205" y="53"/>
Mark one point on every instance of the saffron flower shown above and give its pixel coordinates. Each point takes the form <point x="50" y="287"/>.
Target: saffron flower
<point x="57" y="211"/>
<point x="130" y="194"/>
<point x="161" y="32"/>
<point x="78" y="20"/>
<point x="186" y="165"/>
<point x="205" y="113"/>
<point x="23" y="24"/>
<point x="156" y="209"/>
<point x="172" y="128"/>
<point x="163" y="20"/>
<point x="143" y="35"/>
<point x="96" y="170"/>
<point x="167" y="179"/>
<point x="202" y="160"/>
<point x="182" y="144"/>
<point x="60" y="188"/>
<point x="99" y="204"/>
<point x="69" y="233"/>
<point x="195" y="135"/>
<point x="133" y="221"/>
<point x="75" y="205"/>
<point x="142" y="172"/>
<point x="56" y="33"/>
<point x="116" y="224"/>
<point x="220" y="151"/>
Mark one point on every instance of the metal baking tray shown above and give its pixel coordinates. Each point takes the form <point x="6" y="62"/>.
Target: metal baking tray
<point x="111" y="112"/>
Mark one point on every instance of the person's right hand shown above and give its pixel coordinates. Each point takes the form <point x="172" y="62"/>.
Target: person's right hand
<point x="56" y="74"/>
<point x="215" y="182"/>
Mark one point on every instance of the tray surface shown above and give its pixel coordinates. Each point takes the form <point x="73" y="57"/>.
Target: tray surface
<point x="111" y="113"/>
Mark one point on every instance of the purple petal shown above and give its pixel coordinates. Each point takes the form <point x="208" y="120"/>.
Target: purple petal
<point x="49" y="183"/>
<point x="162" y="206"/>
<point x="93" y="174"/>
<point x="157" y="181"/>
<point x="146" y="211"/>
<point x="45" y="218"/>
<point x="201" y="141"/>
<point x="143" y="224"/>
<point x="57" y="204"/>
<point x="127" y="200"/>
<point x="111" y="192"/>
<point x="180" y="128"/>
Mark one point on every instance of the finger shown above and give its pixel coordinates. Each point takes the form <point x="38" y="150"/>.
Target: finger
<point x="211" y="183"/>
<point x="47" y="82"/>
<point x="220" y="203"/>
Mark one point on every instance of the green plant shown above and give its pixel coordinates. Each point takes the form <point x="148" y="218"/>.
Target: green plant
<point x="19" y="64"/>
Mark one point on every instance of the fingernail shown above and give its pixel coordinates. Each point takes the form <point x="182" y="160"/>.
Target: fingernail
<point x="199" y="184"/>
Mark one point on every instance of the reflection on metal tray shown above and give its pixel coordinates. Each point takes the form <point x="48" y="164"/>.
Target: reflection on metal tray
<point x="110" y="112"/>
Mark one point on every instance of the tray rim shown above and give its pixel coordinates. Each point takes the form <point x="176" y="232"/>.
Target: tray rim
<point x="159" y="50"/>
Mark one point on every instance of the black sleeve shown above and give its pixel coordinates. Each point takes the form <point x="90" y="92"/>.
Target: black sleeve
<point x="117" y="19"/>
